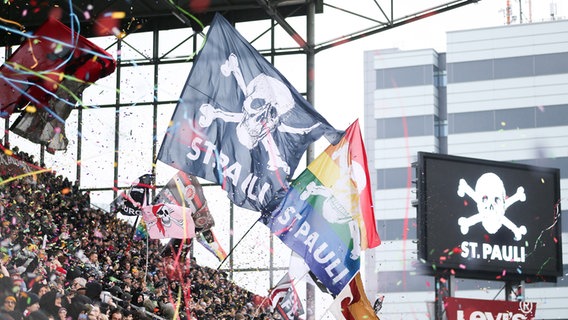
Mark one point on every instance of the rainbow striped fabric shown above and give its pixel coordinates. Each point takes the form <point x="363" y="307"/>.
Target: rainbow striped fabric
<point x="327" y="215"/>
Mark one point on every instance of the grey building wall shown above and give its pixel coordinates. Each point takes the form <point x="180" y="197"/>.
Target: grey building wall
<point x="498" y="94"/>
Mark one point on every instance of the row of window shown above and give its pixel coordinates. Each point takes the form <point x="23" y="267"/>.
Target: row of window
<point x="393" y="229"/>
<point x="476" y="121"/>
<point x="507" y="68"/>
<point x="508" y="119"/>
<point x="413" y="126"/>
<point x="406" y="76"/>
<point x="479" y="70"/>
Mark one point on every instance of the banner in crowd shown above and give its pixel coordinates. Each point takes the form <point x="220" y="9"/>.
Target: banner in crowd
<point x="279" y="291"/>
<point x="165" y="220"/>
<point x="284" y="299"/>
<point x="131" y="201"/>
<point x="47" y="125"/>
<point x="141" y="232"/>
<point x="327" y="215"/>
<point x="465" y="309"/>
<point x="49" y="70"/>
<point x="240" y="123"/>
<point x="11" y="166"/>
<point x="185" y="190"/>
<point x="352" y="303"/>
<point x="209" y="241"/>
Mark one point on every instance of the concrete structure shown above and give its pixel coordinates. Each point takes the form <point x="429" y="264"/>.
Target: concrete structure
<point x="498" y="94"/>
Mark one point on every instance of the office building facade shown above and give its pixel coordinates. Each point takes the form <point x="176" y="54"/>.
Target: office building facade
<point x="498" y="94"/>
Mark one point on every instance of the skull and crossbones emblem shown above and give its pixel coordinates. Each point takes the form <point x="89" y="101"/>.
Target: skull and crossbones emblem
<point x="492" y="203"/>
<point x="266" y="101"/>
<point x="164" y="218"/>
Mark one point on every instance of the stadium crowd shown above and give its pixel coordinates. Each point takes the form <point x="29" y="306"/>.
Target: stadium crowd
<point x="62" y="259"/>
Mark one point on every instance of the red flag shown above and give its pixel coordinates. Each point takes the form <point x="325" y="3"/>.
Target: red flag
<point x="49" y="71"/>
<point x="284" y="298"/>
<point x="352" y="303"/>
<point x="279" y="291"/>
<point x="360" y="169"/>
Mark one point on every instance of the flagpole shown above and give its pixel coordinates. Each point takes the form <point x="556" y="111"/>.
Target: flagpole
<point x="134" y="227"/>
<point x="310" y="75"/>
<point x="236" y="245"/>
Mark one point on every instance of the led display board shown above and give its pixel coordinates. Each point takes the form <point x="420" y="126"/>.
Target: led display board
<point x="488" y="219"/>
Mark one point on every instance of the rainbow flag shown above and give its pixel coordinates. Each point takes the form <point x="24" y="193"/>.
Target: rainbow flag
<point x="327" y="214"/>
<point x="209" y="241"/>
<point x="141" y="233"/>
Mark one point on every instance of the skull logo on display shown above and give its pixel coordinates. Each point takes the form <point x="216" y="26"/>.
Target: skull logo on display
<point x="266" y="101"/>
<point x="492" y="203"/>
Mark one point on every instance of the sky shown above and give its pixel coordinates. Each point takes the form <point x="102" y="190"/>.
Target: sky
<point x="340" y="69"/>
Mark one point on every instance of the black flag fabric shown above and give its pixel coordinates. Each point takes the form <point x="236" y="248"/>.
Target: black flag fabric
<point x="240" y="123"/>
<point x="131" y="201"/>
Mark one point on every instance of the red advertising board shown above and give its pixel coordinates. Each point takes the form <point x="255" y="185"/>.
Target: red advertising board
<point x="469" y="309"/>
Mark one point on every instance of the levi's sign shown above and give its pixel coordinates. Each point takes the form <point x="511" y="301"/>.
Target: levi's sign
<point x="475" y="309"/>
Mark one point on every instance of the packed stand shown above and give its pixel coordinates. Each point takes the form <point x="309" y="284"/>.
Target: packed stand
<point x="61" y="259"/>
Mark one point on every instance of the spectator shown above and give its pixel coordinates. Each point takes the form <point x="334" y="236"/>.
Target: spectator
<point x="94" y="312"/>
<point x="62" y="314"/>
<point x="40" y="288"/>
<point x="39" y="315"/>
<point x="84" y="314"/>
<point x="115" y="314"/>
<point x="50" y="303"/>
<point x="71" y="254"/>
<point x="9" y="308"/>
<point x="93" y="290"/>
<point x="79" y="283"/>
<point x="30" y="302"/>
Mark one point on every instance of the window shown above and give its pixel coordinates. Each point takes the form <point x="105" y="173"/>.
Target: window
<point x="467" y="122"/>
<point x="414" y="126"/>
<point x="404" y="77"/>
<point x="394" y="178"/>
<point x="506" y="68"/>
